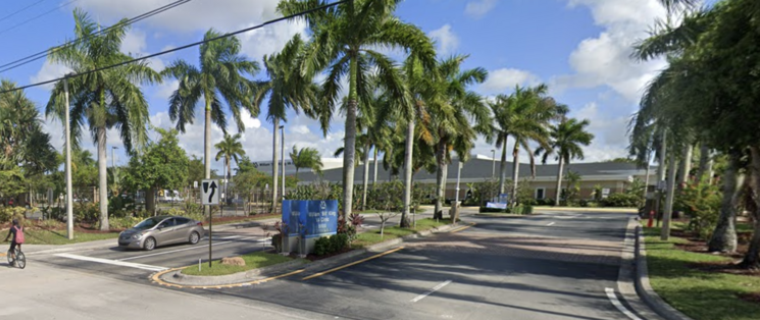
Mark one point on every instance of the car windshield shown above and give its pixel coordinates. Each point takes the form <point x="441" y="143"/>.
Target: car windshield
<point x="147" y="224"/>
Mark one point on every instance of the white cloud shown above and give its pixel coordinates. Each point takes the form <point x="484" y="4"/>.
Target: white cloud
<point x="446" y="40"/>
<point x="605" y="60"/>
<point x="49" y="71"/>
<point x="199" y="16"/>
<point x="248" y="121"/>
<point x="165" y="90"/>
<point x="133" y="42"/>
<point x="478" y="8"/>
<point x="506" y="79"/>
<point x="610" y="139"/>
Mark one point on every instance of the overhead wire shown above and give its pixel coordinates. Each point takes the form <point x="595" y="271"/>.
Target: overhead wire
<point x="226" y="35"/>
<point x="21" y="10"/>
<point x="37" y="17"/>
<point x="42" y="54"/>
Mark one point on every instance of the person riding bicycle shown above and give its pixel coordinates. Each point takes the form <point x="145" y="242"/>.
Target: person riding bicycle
<point x="18" y="238"/>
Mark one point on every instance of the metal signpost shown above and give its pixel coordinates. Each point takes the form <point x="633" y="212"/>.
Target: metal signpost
<point x="209" y="197"/>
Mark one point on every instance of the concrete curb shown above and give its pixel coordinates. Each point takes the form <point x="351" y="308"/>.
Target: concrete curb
<point x="643" y="287"/>
<point x="626" y="274"/>
<point x="176" y="276"/>
<point x="587" y="210"/>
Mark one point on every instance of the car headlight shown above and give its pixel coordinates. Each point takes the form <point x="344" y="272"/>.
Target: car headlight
<point x="137" y="236"/>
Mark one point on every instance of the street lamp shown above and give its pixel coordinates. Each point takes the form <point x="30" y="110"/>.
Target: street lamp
<point x="112" y="158"/>
<point x="493" y="163"/>
<point x="282" y="154"/>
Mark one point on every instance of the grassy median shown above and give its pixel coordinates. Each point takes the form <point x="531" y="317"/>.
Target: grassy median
<point x="392" y="231"/>
<point x="252" y="261"/>
<point x="58" y="237"/>
<point x="702" y="295"/>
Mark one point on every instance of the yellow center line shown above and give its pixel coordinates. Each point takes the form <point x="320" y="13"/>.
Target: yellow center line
<point x="462" y="228"/>
<point x="352" y="263"/>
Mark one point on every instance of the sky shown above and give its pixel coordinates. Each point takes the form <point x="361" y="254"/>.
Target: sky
<point x="579" y="48"/>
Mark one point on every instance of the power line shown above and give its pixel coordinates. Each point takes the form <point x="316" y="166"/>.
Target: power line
<point x="37" y="17"/>
<point x="226" y="35"/>
<point x="43" y="54"/>
<point x="21" y="10"/>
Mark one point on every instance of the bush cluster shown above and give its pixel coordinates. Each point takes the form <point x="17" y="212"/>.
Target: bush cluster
<point x="330" y="245"/>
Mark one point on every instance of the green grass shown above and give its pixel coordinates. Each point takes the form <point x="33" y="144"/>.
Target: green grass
<point x="744" y="227"/>
<point x="392" y="232"/>
<point x="700" y="295"/>
<point x="58" y="237"/>
<point x="252" y="261"/>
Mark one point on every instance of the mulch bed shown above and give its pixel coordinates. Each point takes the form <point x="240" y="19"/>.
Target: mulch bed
<point x="697" y="245"/>
<point x="312" y="257"/>
<point x="750" y="297"/>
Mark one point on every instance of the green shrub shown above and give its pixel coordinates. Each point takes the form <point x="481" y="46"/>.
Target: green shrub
<point x="338" y="242"/>
<point x="620" y="200"/>
<point x="86" y="212"/>
<point x="322" y="246"/>
<point x="524" y="209"/>
<point x="701" y="203"/>
<point x="8" y="213"/>
<point x="123" y="223"/>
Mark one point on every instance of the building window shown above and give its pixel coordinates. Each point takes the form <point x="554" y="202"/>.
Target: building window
<point x="540" y="193"/>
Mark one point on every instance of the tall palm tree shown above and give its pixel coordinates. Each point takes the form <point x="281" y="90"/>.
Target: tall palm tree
<point x="229" y="148"/>
<point x="567" y="139"/>
<point x="523" y="115"/>
<point x="306" y="158"/>
<point x="457" y="116"/>
<point x="286" y="89"/>
<point x="344" y="38"/>
<point x="219" y="76"/>
<point x="106" y="98"/>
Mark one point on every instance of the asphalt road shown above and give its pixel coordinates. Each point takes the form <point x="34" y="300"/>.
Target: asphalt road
<point x="551" y="266"/>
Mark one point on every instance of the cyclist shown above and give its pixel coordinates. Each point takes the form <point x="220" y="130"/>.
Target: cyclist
<point x="18" y="238"/>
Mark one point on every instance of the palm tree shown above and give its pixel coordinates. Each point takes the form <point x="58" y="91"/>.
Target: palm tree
<point x="524" y="115"/>
<point x="566" y="141"/>
<point x="286" y="88"/>
<point x="343" y="41"/>
<point x="219" y="77"/>
<point x="229" y="148"/>
<point x="306" y="158"/>
<point x="452" y="110"/>
<point x="106" y="98"/>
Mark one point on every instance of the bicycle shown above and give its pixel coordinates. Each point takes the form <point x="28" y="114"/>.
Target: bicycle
<point x="20" y="261"/>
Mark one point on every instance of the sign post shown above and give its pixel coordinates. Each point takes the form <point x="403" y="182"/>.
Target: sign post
<point x="209" y="197"/>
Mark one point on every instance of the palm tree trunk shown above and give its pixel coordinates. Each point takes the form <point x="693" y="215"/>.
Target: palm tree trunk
<point x="349" y="148"/>
<point x="365" y="183"/>
<point x="515" y="172"/>
<point x="685" y="166"/>
<point x="503" y="167"/>
<point x="559" y="181"/>
<point x="646" y="179"/>
<point x="440" y="157"/>
<point x="752" y="257"/>
<point x="724" y="237"/>
<point x="103" y="178"/>
<point x="275" y="161"/>
<point x="374" y="164"/>
<point x="227" y="176"/>
<point x="665" y="231"/>
<point x="407" y="173"/>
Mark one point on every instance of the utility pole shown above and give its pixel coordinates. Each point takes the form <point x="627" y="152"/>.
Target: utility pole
<point x="69" y="198"/>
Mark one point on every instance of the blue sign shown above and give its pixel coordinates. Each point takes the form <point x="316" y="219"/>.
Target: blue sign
<point x="291" y="216"/>
<point x="322" y="218"/>
<point x="496" y="205"/>
<point x="310" y="218"/>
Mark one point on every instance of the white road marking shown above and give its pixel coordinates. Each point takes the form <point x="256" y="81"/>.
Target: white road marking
<point x="436" y="288"/>
<point x="569" y="217"/>
<point x="185" y="249"/>
<point x="230" y="237"/>
<point x="615" y="302"/>
<point x="112" y="262"/>
<point x="550" y="223"/>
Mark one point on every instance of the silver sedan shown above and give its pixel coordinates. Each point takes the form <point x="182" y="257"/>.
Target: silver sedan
<point x="160" y="231"/>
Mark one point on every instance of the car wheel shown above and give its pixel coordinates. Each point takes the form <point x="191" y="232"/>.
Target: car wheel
<point x="195" y="237"/>
<point x="149" y="244"/>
